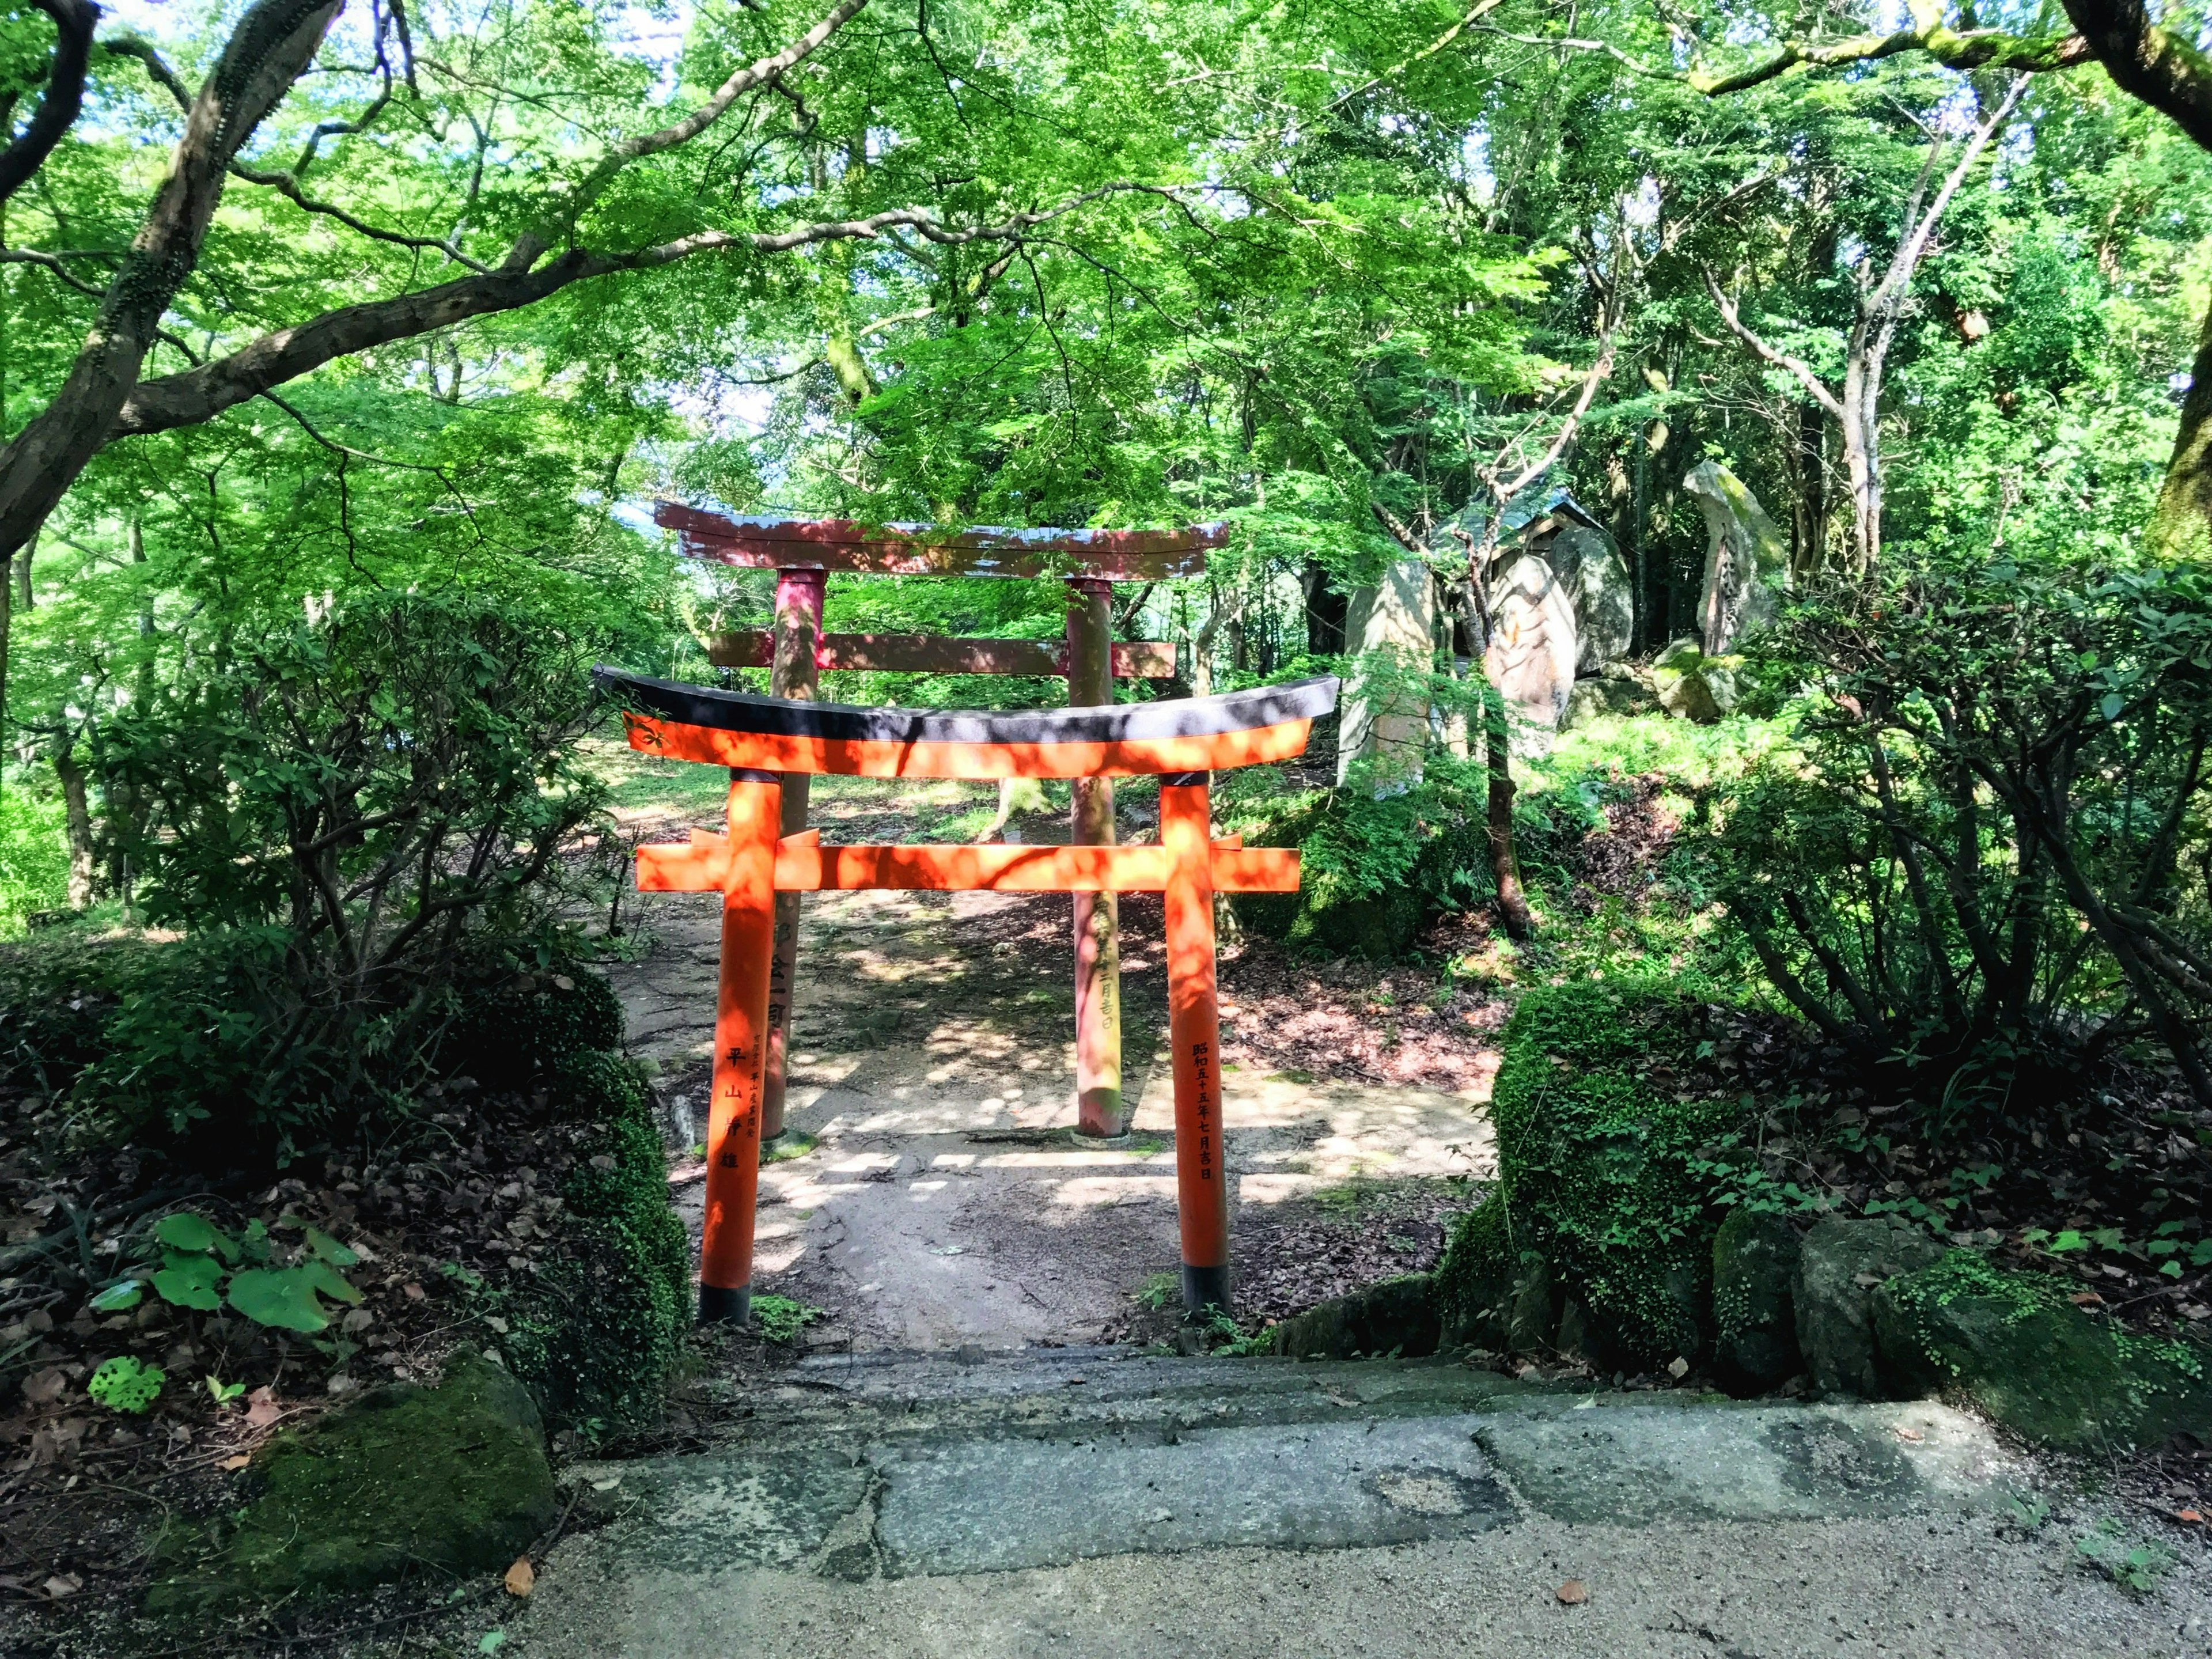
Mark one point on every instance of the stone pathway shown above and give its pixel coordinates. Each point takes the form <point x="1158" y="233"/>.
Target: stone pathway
<point x="1094" y="1503"/>
<point x="952" y="1472"/>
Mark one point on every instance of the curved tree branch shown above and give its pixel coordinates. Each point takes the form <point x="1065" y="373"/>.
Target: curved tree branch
<point x="1970" y="50"/>
<point x="271" y="46"/>
<point x="63" y="97"/>
<point x="532" y="243"/>
<point x="1796" y="368"/>
<point x="201" y="393"/>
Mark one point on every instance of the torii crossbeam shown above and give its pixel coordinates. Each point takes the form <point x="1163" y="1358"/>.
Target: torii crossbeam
<point x="758" y="738"/>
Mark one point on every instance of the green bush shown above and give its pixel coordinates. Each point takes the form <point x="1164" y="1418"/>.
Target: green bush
<point x="1373" y="872"/>
<point x="57" y="995"/>
<point x="1599" y="1168"/>
<point x="596" y="1336"/>
<point x="1983" y="863"/>
<point x="517" y="1024"/>
<point x="33" y="857"/>
<point x="359" y="821"/>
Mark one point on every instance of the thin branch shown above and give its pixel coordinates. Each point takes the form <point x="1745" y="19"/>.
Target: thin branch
<point x="288" y="185"/>
<point x="532" y="243"/>
<point x="1567" y="43"/>
<point x="1480" y="9"/>
<point x="131" y="45"/>
<point x="1803" y="371"/>
<point x="1599" y="373"/>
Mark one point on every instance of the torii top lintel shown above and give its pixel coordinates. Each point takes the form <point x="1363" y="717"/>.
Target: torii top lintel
<point x="921" y="549"/>
<point x="773" y="734"/>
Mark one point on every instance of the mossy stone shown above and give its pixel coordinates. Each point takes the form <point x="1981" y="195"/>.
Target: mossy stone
<point x="2012" y="1345"/>
<point x="597" y="1332"/>
<point x="1398" y="1316"/>
<point x="1755" y="1260"/>
<point x="1596" y="1159"/>
<point x="1839" y="1264"/>
<point x="450" y="1480"/>
<point x="1475" y="1280"/>
<point x="1532" y="1308"/>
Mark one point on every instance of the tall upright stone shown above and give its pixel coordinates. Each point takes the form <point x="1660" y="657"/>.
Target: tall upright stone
<point x="1386" y="713"/>
<point x="1747" y="565"/>
<point x="1533" y="645"/>
<point x="1597" y="577"/>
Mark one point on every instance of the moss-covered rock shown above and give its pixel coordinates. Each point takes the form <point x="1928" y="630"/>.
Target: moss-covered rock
<point x="451" y="1479"/>
<point x="1474" y="1283"/>
<point x="1595" y="1163"/>
<point x="1840" y="1264"/>
<point x="2013" y="1345"/>
<point x="1755" y="1258"/>
<point x="598" y="1332"/>
<point x="1398" y="1316"/>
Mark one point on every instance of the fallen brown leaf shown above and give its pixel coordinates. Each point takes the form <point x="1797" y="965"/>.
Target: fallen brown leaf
<point x="43" y="1387"/>
<point x="1904" y="1433"/>
<point x="413" y="1293"/>
<point x="64" y="1583"/>
<point x="521" y="1577"/>
<point x="1574" y="1593"/>
<point x="237" y="1462"/>
<point x="2087" y="1299"/>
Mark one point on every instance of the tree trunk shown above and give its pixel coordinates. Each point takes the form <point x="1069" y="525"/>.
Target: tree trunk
<point x="77" y="811"/>
<point x="1325" y="612"/>
<point x="2181" y="524"/>
<point x="1862" y="459"/>
<point x="1811" y="515"/>
<point x="1505" y="863"/>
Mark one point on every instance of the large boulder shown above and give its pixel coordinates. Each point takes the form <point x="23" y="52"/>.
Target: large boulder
<point x="1692" y="686"/>
<point x="1398" y="1316"/>
<point x="1747" y="563"/>
<point x="1386" y="712"/>
<point x="1841" y="1264"/>
<point x="1755" y="1261"/>
<point x="2034" y="1362"/>
<point x="1533" y="648"/>
<point x="1596" y="579"/>
<point x="451" y="1479"/>
<point x="1615" y="688"/>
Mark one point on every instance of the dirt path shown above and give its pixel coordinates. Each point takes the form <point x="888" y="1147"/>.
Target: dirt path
<point x="939" y="1200"/>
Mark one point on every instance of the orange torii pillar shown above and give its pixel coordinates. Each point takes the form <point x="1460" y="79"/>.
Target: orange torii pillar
<point x="802" y="552"/>
<point x="761" y="739"/>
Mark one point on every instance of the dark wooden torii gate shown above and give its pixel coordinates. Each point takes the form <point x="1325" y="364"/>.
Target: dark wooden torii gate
<point x="804" y="551"/>
<point x="764" y="740"/>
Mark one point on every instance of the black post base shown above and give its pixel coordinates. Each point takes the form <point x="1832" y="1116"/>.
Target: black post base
<point x="720" y="1307"/>
<point x="1204" y="1288"/>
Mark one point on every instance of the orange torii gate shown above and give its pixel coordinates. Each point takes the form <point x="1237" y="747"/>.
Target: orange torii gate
<point x="803" y="552"/>
<point x="760" y="738"/>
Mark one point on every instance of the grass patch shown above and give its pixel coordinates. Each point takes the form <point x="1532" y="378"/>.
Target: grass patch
<point x="780" y="1318"/>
